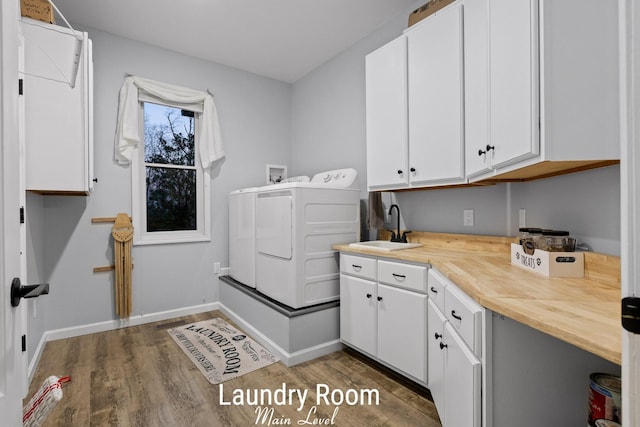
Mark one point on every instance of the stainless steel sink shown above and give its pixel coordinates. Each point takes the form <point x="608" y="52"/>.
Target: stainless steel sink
<point x="384" y="245"/>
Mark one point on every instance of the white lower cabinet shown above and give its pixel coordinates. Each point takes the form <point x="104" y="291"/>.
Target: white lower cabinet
<point x="455" y="369"/>
<point x="387" y="321"/>
<point x="461" y="378"/>
<point x="402" y="338"/>
<point x="436" y="321"/>
<point x="358" y="307"/>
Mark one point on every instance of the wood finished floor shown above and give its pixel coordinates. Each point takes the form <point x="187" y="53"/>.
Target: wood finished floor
<point x="138" y="376"/>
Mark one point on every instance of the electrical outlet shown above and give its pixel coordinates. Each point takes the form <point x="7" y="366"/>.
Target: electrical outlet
<point x="216" y="268"/>
<point x="522" y="218"/>
<point x="468" y="218"/>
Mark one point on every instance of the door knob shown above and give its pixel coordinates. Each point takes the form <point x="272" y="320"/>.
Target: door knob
<point x="28" y="291"/>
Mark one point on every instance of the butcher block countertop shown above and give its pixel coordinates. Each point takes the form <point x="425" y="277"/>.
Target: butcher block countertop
<point x="584" y="312"/>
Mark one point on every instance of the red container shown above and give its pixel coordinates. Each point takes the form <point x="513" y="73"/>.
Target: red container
<point x="604" y="398"/>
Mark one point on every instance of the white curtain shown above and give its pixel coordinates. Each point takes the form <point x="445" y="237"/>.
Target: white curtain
<point x="128" y="126"/>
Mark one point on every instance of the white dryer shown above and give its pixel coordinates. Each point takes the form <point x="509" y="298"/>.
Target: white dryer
<point x="296" y="226"/>
<point x="242" y="232"/>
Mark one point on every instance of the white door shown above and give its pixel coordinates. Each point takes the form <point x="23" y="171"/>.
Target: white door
<point x="274" y="225"/>
<point x="435" y="362"/>
<point x="476" y="88"/>
<point x="358" y="313"/>
<point x="12" y="371"/>
<point x="513" y="74"/>
<point x="461" y="382"/>
<point x="402" y="324"/>
<point x="436" y="127"/>
<point x="386" y="92"/>
<point x="630" y="199"/>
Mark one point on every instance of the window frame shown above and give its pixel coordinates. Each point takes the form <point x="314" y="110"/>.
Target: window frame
<point x="141" y="236"/>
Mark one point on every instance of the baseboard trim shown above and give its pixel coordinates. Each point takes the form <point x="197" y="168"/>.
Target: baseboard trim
<point x="109" y="325"/>
<point x="288" y="359"/>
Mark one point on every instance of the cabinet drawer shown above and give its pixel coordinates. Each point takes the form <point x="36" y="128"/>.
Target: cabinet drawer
<point x="358" y="266"/>
<point x="436" y="284"/>
<point x="465" y="315"/>
<point x="413" y="277"/>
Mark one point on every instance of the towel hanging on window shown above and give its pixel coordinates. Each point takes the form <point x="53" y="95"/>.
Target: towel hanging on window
<point x="128" y="127"/>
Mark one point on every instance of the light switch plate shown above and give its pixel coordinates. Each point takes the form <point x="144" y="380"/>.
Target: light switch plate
<point x="522" y="218"/>
<point x="468" y="218"/>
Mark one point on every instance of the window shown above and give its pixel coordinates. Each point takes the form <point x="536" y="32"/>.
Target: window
<point x="170" y="187"/>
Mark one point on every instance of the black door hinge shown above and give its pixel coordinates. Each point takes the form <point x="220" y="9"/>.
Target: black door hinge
<point x="20" y="86"/>
<point x="21" y="214"/>
<point x="24" y="343"/>
<point x="631" y="314"/>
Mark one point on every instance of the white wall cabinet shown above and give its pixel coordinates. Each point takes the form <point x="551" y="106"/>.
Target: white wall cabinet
<point x="58" y="111"/>
<point x="553" y="80"/>
<point x="386" y="116"/>
<point x="414" y="89"/>
<point x="383" y="312"/>
<point x="455" y="351"/>
<point x="476" y="89"/>
<point x="436" y="120"/>
<point x="498" y="90"/>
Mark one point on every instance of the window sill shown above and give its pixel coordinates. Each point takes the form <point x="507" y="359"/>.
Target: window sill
<point x="165" y="240"/>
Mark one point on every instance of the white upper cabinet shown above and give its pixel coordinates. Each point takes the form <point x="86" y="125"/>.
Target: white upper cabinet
<point x="476" y="88"/>
<point x="494" y="90"/>
<point x="513" y="82"/>
<point x="57" y="118"/>
<point x="436" y="122"/>
<point x="386" y="90"/>
<point x="415" y="118"/>
<point x="553" y="85"/>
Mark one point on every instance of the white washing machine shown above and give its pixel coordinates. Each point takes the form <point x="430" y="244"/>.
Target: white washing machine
<point x="242" y="235"/>
<point x="296" y="226"/>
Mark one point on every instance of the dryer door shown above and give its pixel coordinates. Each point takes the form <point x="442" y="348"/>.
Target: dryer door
<point x="274" y="221"/>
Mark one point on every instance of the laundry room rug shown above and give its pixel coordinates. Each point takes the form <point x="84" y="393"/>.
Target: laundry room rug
<point x="219" y="350"/>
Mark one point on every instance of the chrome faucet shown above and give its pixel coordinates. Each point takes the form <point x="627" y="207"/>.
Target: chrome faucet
<point x="397" y="237"/>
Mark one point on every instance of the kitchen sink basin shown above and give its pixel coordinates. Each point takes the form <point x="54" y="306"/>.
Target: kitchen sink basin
<point x="384" y="245"/>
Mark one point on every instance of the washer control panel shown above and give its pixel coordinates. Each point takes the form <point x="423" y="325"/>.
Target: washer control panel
<point x="343" y="178"/>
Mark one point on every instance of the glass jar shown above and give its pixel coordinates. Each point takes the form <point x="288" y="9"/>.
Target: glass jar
<point x="528" y="237"/>
<point x="557" y="241"/>
<point x="528" y="233"/>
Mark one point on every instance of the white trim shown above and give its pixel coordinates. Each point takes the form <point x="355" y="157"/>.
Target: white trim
<point x="110" y="325"/>
<point x="629" y="21"/>
<point x="288" y="359"/>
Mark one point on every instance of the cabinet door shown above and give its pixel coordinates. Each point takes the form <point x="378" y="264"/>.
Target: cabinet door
<point x="435" y="362"/>
<point x="513" y="70"/>
<point x="58" y="126"/>
<point x="402" y="330"/>
<point x="386" y="115"/>
<point x="461" y="382"/>
<point x="436" y="99"/>
<point x="358" y="313"/>
<point x="476" y="88"/>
